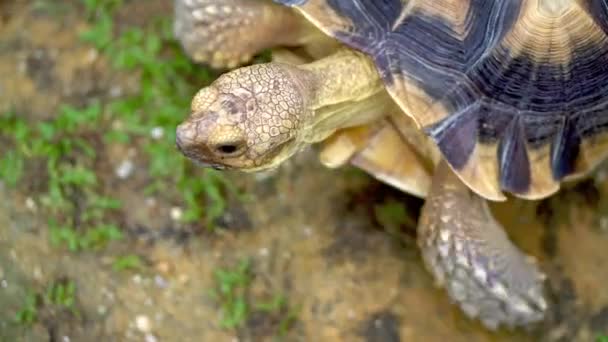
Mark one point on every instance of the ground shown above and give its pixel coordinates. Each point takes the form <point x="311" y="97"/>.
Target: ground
<point x="107" y="233"/>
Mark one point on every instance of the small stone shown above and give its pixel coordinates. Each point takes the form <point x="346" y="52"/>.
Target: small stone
<point x="157" y="133"/>
<point x="4" y="283"/>
<point x="176" y="213"/>
<point x="143" y="324"/>
<point x="124" y="169"/>
<point x="37" y="273"/>
<point x="264" y="252"/>
<point x="92" y="56"/>
<point x="163" y="267"/>
<point x="183" y="278"/>
<point x="150" y="338"/>
<point x="116" y="91"/>
<point x="137" y="279"/>
<point x="102" y="310"/>
<point x="30" y="204"/>
<point x="604" y="223"/>
<point x="150" y="201"/>
<point x="160" y="282"/>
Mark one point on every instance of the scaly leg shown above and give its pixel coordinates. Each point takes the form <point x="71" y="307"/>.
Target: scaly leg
<point x="226" y="33"/>
<point x="469" y="254"/>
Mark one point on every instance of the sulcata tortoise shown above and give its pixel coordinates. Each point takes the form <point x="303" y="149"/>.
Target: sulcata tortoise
<point x="457" y="101"/>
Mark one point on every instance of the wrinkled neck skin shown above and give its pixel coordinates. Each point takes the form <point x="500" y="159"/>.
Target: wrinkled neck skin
<point x="328" y="120"/>
<point x="344" y="90"/>
<point x="340" y="91"/>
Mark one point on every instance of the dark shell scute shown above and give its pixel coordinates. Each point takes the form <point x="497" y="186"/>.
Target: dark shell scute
<point x="456" y="136"/>
<point x="514" y="164"/>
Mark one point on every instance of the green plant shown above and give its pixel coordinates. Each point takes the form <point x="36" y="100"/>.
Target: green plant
<point x="602" y="338"/>
<point x="392" y="214"/>
<point x="232" y="284"/>
<point x="94" y="238"/>
<point x="279" y="306"/>
<point x="28" y="314"/>
<point x="60" y="294"/>
<point x="127" y="262"/>
<point x="168" y="79"/>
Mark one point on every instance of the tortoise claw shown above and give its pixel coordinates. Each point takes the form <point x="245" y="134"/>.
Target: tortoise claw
<point x="470" y="255"/>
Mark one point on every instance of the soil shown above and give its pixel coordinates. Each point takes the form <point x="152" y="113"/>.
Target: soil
<point x="310" y="232"/>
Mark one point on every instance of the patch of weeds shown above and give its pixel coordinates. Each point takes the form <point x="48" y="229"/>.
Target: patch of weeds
<point x="127" y="262"/>
<point x="94" y="238"/>
<point x="62" y="294"/>
<point x="279" y="306"/>
<point x="392" y="215"/>
<point x="59" y="295"/>
<point x="70" y="188"/>
<point x="11" y="168"/>
<point x="28" y="313"/>
<point x="602" y="338"/>
<point x="168" y="80"/>
<point x="231" y="293"/>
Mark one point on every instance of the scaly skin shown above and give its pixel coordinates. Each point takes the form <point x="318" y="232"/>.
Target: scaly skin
<point x="226" y="33"/>
<point x="254" y="118"/>
<point x="470" y="255"/>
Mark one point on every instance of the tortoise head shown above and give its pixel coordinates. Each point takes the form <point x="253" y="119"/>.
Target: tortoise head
<point x="249" y="119"/>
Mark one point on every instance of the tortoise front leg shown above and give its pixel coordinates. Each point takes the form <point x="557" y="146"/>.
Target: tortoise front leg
<point x="469" y="254"/>
<point x="226" y="33"/>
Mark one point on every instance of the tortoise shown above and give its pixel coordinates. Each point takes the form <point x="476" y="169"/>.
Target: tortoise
<point x="460" y="102"/>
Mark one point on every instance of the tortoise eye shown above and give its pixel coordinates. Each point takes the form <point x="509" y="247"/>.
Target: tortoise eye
<point x="229" y="149"/>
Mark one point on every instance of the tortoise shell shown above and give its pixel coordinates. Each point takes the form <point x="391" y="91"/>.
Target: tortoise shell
<point x="513" y="92"/>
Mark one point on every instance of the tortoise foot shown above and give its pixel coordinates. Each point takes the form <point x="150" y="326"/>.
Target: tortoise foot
<point x="470" y="255"/>
<point x="227" y="33"/>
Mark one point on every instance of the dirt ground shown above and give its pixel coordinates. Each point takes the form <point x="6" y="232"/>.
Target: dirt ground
<point x="311" y="234"/>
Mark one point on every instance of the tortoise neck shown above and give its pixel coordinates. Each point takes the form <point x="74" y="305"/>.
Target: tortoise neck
<point x="345" y="76"/>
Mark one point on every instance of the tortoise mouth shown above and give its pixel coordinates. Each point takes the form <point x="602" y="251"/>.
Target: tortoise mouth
<point x="272" y="158"/>
<point x="198" y="158"/>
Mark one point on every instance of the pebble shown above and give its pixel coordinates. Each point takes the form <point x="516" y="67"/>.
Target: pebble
<point x="124" y="169"/>
<point x="604" y="223"/>
<point x="264" y="251"/>
<point x="142" y="323"/>
<point x="92" y="56"/>
<point x="160" y="282"/>
<point x="116" y="91"/>
<point x="176" y="213"/>
<point x="157" y="133"/>
<point x="350" y="314"/>
<point x="163" y="267"/>
<point x="102" y="310"/>
<point x="30" y="204"/>
<point x="150" y="201"/>
<point x="37" y="273"/>
<point x="150" y="338"/>
<point x="183" y="278"/>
